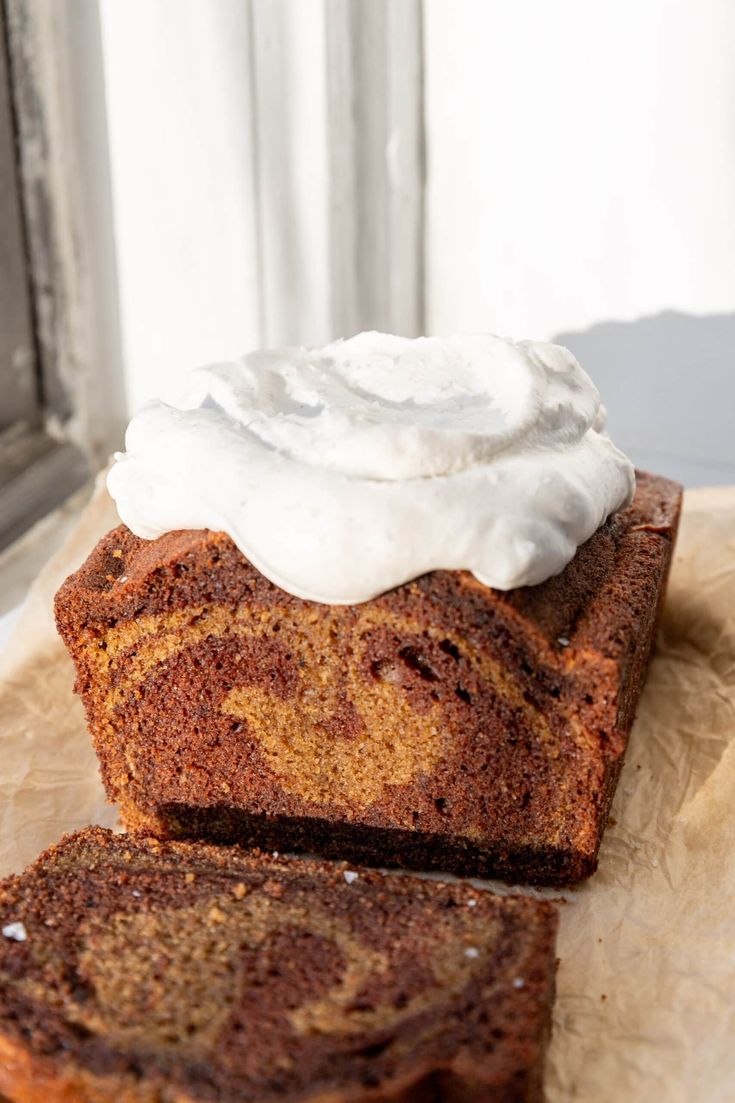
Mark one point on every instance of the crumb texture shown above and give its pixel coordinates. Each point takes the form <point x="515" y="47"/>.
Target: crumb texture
<point x="443" y="724"/>
<point x="174" y="971"/>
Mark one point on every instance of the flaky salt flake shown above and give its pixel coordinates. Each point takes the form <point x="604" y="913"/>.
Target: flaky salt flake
<point x="472" y="903"/>
<point x="563" y="641"/>
<point x="654" y="862"/>
<point x="519" y="982"/>
<point x="15" y="931"/>
<point x="350" y="876"/>
<point x="137" y="894"/>
<point x="472" y="951"/>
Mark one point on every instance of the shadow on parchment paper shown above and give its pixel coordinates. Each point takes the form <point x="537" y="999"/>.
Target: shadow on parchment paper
<point x="688" y="623"/>
<point x="684" y="718"/>
<point x="689" y="666"/>
<point x="668" y="382"/>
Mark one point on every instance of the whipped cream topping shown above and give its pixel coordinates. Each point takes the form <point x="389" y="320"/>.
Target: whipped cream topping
<point x="341" y="472"/>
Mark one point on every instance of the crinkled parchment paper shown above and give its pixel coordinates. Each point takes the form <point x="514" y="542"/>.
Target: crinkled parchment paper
<point x="646" y="986"/>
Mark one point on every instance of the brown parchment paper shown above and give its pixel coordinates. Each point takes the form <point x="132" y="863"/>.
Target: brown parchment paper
<point x="646" y="986"/>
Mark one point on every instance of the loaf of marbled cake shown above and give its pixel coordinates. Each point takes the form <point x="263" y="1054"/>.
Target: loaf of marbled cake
<point x="441" y="725"/>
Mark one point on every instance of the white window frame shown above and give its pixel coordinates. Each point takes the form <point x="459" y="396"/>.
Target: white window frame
<point x="351" y="256"/>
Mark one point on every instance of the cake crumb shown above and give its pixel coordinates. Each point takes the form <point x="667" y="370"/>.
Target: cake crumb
<point x="216" y="915"/>
<point x="16" y="932"/>
<point x="117" y="554"/>
<point x="519" y="982"/>
<point x="239" y="890"/>
<point x="189" y="877"/>
<point x="472" y="952"/>
<point x="350" y="876"/>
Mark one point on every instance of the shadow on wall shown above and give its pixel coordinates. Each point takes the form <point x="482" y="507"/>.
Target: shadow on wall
<point x="669" y="386"/>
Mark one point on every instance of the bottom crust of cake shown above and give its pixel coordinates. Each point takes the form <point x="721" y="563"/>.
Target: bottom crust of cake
<point x="389" y="848"/>
<point x="32" y="1080"/>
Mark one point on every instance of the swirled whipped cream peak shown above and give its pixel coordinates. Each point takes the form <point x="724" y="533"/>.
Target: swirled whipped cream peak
<point x="341" y="472"/>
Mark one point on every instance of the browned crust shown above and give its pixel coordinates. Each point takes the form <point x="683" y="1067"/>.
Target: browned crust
<point x="28" y="1079"/>
<point x="574" y="652"/>
<point x="25" y="1078"/>
<point x="481" y="1069"/>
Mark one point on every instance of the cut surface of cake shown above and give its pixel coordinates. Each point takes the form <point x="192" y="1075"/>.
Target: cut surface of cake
<point x="146" y="972"/>
<point x="442" y="724"/>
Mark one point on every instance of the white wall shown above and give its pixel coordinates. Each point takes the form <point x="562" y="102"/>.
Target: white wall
<point x="581" y="185"/>
<point x="581" y="161"/>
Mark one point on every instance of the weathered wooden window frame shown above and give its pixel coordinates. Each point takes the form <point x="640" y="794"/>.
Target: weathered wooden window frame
<point x="68" y="358"/>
